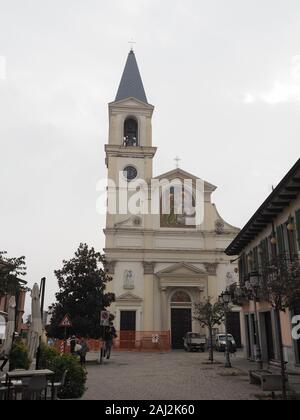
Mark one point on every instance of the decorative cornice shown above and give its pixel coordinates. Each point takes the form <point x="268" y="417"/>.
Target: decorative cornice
<point x="155" y="251"/>
<point x="130" y="152"/>
<point x="129" y="298"/>
<point x="196" y="233"/>
<point x="173" y="282"/>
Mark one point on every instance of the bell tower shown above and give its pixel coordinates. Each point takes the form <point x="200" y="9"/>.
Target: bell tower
<point x="129" y="152"/>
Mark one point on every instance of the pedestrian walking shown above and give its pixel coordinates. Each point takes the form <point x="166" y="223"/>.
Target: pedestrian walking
<point x="109" y="340"/>
<point x="73" y="344"/>
<point x="83" y="352"/>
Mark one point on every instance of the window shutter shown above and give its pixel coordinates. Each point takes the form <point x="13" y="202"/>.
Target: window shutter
<point x="298" y="226"/>
<point x="280" y="238"/>
<point x="255" y="259"/>
<point x="264" y="252"/>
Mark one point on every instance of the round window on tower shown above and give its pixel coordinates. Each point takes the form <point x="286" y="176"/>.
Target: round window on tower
<point x="130" y="173"/>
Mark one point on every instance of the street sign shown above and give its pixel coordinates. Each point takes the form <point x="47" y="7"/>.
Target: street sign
<point x="155" y="339"/>
<point x="104" y="321"/>
<point x="66" y="322"/>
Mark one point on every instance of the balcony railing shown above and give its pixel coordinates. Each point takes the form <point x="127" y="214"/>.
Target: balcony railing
<point x="283" y="267"/>
<point x="130" y="141"/>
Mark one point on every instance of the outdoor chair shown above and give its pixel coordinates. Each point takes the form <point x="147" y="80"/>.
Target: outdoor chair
<point x="20" y="386"/>
<point x="13" y="388"/>
<point x="58" y="385"/>
<point x="35" y="387"/>
<point x="3" y="392"/>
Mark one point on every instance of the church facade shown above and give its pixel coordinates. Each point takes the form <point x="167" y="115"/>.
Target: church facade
<point x="160" y="264"/>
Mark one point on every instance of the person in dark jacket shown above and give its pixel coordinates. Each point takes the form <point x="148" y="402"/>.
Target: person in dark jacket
<point x="73" y="342"/>
<point x="83" y="352"/>
<point x="109" y="340"/>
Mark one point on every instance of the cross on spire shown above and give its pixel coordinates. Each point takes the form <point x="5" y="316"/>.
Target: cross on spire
<point x="132" y="43"/>
<point x="177" y="160"/>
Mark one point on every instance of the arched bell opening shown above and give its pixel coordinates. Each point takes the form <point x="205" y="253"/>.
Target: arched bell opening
<point x="131" y="128"/>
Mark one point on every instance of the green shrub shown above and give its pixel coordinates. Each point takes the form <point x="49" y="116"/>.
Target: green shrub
<point x="18" y="358"/>
<point x="47" y="356"/>
<point x="76" y="377"/>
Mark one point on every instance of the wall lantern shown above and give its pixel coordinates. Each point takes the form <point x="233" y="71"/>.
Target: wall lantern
<point x="274" y="241"/>
<point x="291" y="227"/>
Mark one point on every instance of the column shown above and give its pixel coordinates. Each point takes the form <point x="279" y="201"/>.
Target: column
<point x="149" y="296"/>
<point x="149" y="302"/>
<point x="252" y="334"/>
<point x="164" y="309"/>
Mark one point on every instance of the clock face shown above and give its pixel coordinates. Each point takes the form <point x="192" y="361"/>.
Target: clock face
<point x="130" y="173"/>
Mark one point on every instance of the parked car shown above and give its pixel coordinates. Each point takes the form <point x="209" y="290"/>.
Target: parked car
<point x="194" y="342"/>
<point x="220" y="344"/>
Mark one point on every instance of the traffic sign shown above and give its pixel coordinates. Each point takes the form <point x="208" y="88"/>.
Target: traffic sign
<point x="155" y="339"/>
<point x="66" y="322"/>
<point x="104" y="321"/>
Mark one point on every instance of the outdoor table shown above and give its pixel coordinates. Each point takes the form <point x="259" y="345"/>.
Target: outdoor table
<point x="18" y="375"/>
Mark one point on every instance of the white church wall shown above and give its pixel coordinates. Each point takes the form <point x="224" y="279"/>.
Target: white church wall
<point x="226" y="276"/>
<point x="222" y="242"/>
<point x="177" y="242"/>
<point x="126" y="241"/>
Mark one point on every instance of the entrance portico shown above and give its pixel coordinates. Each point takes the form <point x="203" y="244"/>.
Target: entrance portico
<point x="181" y="286"/>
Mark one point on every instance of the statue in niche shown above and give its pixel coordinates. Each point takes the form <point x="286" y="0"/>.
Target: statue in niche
<point x="128" y="280"/>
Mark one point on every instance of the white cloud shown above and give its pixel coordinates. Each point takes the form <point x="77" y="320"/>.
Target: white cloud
<point x="281" y="92"/>
<point x="249" y="98"/>
<point x="2" y="68"/>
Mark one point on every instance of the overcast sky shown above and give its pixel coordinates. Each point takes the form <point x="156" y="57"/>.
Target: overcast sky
<point x="224" y="77"/>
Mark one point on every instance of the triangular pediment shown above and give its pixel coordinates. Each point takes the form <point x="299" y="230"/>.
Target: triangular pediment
<point x="183" y="175"/>
<point x="181" y="269"/>
<point x="131" y="103"/>
<point x="131" y="222"/>
<point x="128" y="297"/>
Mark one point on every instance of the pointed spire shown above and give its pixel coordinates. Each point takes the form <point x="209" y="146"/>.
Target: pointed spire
<point x="131" y="83"/>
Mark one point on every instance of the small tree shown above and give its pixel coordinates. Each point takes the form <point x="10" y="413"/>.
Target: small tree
<point x="18" y="358"/>
<point x="82" y="284"/>
<point x="10" y="271"/>
<point x="281" y="287"/>
<point x="209" y="316"/>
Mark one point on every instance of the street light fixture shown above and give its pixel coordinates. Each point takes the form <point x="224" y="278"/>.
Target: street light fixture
<point x="291" y="227"/>
<point x="274" y="241"/>
<point x="224" y="300"/>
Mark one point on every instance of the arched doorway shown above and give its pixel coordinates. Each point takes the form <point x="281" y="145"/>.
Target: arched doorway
<point x="181" y="318"/>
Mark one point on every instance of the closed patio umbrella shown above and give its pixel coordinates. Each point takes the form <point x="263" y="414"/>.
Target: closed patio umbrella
<point x="36" y="328"/>
<point x="10" y="328"/>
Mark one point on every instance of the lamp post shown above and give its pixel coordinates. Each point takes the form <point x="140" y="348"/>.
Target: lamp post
<point x="253" y="286"/>
<point x="224" y="300"/>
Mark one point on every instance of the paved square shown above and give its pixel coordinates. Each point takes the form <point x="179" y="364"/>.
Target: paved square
<point x="172" y="376"/>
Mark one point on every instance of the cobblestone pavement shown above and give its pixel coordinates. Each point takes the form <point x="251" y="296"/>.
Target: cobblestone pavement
<point x="172" y="376"/>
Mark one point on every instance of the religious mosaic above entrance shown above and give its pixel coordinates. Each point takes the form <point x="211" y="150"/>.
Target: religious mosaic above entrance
<point x="180" y="297"/>
<point x="177" y="213"/>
